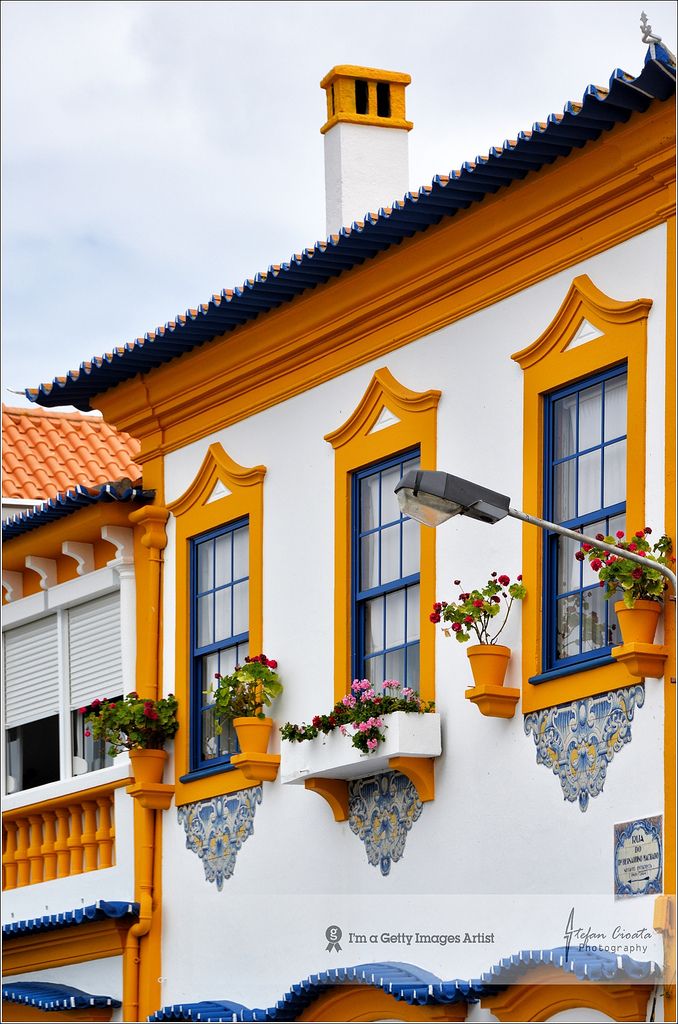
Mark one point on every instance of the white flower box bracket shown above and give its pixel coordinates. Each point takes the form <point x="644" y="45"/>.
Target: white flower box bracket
<point x="324" y="765"/>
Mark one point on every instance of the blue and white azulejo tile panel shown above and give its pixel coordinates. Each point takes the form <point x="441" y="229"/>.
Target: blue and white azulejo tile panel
<point x="217" y="828"/>
<point x="381" y="811"/>
<point x="577" y="741"/>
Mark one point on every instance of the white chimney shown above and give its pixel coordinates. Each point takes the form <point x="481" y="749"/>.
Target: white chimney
<point x="366" y="163"/>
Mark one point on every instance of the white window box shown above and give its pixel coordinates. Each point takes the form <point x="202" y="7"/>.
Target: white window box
<point x="334" y="757"/>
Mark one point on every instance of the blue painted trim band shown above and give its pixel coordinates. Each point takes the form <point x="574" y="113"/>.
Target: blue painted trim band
<point x="81" y="915"/>
<point x="48" y="996"/>
<point x="570" y="670"/>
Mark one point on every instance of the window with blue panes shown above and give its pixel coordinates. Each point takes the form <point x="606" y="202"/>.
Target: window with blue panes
<point x="585" y="490"/>
<point x="219" y="632"/>
<point x="385" y="577"/>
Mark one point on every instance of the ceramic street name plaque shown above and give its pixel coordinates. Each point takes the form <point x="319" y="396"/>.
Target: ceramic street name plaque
<point x="638" y="850"/>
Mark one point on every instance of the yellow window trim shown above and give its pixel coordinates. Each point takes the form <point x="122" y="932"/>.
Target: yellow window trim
<point x="548" y="364"/>
<point x="196" y="514"/>
<point x="365" y="1002"/>
<point x="356" y="445"/>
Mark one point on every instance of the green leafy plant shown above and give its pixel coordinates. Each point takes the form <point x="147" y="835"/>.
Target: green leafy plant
<point x="476" y="610"/>
<point x="363" y="711"/>
<point x="132" y="722"/>
<point x="247" y="690"/>
<point x="636" y="582"/>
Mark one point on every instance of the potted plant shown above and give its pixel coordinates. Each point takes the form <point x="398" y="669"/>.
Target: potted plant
<point x="642" y="586"/>
<point x="477" y="612"/>
<point x="241" y="698"/>
<point x="138" y="725"/>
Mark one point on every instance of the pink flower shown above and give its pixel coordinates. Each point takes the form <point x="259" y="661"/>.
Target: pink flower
<point x="342" y="730"/>
<point x="87" y="732"/>
<point x="372" y="744"/>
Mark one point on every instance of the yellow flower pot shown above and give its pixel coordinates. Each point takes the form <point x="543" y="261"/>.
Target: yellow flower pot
<point x="148" y="765"/>
<point x="488" y="663"/>
<point x="253" y="734"/>
<point x="638" y="624"/>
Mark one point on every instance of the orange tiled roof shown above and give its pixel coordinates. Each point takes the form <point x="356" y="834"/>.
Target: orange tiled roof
<point x="44" y="452"/>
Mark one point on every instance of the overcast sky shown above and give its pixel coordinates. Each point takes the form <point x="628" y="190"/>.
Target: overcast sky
<point x="154" y="153"/>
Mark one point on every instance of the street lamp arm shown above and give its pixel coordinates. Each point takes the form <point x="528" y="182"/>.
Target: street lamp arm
<point x="582" y="537"/>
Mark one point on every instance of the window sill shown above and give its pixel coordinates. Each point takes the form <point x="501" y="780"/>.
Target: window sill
<point x="562" y="686"/>
<point x="570" y="670"/>
<point x="207" y="783"/>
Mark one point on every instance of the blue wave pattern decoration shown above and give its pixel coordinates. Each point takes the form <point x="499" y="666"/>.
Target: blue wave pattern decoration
<point x="600" y="109"/>
<point x="68" y="503"/>
<point x="80" y="915"/>
<point x="381" y="811"/>
<point x="418" y="987"/>
<point x="47" y="996"/>
<point x="216" y="830"/>
<point x="578" y="741"/>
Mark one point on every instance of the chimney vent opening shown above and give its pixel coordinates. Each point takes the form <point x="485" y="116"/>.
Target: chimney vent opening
<point x="361" y="96"/>
<point x="383" y="99"/>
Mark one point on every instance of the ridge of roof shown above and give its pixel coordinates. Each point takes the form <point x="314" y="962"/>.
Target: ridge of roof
<point x="599" y="110"/>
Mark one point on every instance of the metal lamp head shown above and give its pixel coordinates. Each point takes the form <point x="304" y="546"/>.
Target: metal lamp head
<point x="432" y="497"/>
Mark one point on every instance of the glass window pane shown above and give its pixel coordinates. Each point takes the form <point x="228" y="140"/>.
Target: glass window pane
<point x="567" y="625"/>
<point x="412" y="463"/>
<point x="589" y="576"/>
<point x="222" y="555"/>
<point x="395" y="666"/>
<point x="222" y="614"/>
<point x="205" y="620"/>
<point x="241" y="597"/>
<point x="563" y="491"/>
<point x="374" y="625"/>
<point x="589" y="483"/>
<point x="615" y="473"/>
<point x="395" y="618"/>
<point x="565" y="426"/>
<point x="412" y="678"/>
<point x="241" y="553"/>
<point x="374" y="671"/>
<point x="390" y="553"/>
<point x="615" y="407"/>
<point x="413" y="613"/>
<point x="369" y="502"/>
<point x="205" y="566"/>
<point x="590" y="416"/>
<point x="411" y="536"/>
<point x="593" y="619"/>
<point x="210" y="741"/>
<point x="229" y="658"/>
<point x="210" y="667"/>
<point x="369" y="561"/>
<point x="569" y="569"/>
<point x="613" y="632"/>
<point x="33" y="754"/>
<point x="616" y="523"/>
<point x="390" y="509"/>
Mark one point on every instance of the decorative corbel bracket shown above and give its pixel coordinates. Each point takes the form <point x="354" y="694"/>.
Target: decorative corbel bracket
<point x="420" y="772"/>
<point x="335" y="791"/>
<point x="122" y="538"/>
<point x="81" y="553"/>
<point x="494" y="701"/>
<point x="642" y="661"/>
<point x="13" y="584"/>
<point x="153" y="519"/>
<point x="154" y="796"/>
<point x="257" y="767"/>
<point x="46" y="569"/>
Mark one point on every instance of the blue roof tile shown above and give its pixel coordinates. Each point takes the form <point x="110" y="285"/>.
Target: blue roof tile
<point x="94" y="912"/>
<point x="48" y="996"/>
<point x="66" y="504"/>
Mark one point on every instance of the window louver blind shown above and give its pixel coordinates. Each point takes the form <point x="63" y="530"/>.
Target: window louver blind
<point x="31" y="672"/>
<point x="95" y="652"/>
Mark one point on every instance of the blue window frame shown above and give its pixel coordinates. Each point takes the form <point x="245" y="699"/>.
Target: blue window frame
<point x="385" y="577"/>
<point x="585" y="490"/>
<point x="219" y="633"/>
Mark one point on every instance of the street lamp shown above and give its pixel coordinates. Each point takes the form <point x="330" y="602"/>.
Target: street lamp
<point x="433" y="497"/>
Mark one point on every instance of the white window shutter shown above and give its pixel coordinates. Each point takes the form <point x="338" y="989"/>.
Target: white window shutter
<point x="95" y="650"/>
<point x="31" y="672"/>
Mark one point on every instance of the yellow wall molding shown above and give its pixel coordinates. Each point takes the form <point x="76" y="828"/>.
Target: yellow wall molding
<point x="549" y="363"/>
<point x="60" y="947"/>
<point x="363" y="1002"/>
<point x="543" y="993"/>
<point x="566" y="213"/>
<point x="357" y="445"/>
<point x="20" y="1012"/>
<point x="196" y="514"/>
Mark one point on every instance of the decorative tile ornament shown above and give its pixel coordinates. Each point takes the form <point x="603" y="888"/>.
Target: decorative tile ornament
<point x="217" y="828"/>
<point x="577" y="741"/>
<point x="381" y="811"/>
<point x="638" y="855"/>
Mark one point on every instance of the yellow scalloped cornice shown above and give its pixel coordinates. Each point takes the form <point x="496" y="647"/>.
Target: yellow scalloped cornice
<point x="583" y="302"/>
<point x="216" y="467"/>
<point x="383" y="392"/>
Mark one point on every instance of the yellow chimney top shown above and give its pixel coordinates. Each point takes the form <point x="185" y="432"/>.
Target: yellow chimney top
<point x="358" y="95"/>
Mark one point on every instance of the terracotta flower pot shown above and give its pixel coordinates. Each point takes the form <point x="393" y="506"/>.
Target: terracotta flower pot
<point x="638" y="624"/>
<point x="253" y="734"/>
<point x="488" y="663"/>
<point x="148" y="765"/>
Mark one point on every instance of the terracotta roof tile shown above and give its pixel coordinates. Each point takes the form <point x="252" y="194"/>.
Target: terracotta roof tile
<point x="45" y="453"/>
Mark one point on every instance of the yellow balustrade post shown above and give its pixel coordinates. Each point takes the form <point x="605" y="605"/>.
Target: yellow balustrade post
<point x="89" y="839"/>
<point x="104" y="835"/>
<point x="49" y="857"/>
<point x="152" y="518"/>
<point x="23" y="865"/>
<point x="75" y="839"/>
<point x="61" y="845"/>
<point x="9" y="856"/>
<point x="35" y="849"/>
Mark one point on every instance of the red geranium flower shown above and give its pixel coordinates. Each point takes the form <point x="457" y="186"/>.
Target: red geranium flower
<point x="504" y="580"/>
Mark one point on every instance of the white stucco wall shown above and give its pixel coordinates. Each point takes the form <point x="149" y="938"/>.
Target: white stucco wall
<point x="499" y="850"/>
